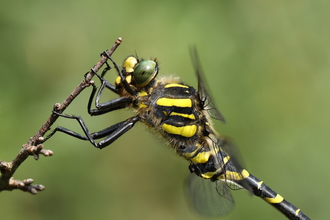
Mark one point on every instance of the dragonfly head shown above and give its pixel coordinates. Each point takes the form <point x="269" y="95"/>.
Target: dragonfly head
<point x="140" y="73"/>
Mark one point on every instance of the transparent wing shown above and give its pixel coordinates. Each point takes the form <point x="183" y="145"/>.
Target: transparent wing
<point x="214" y="198"/>
<point x="232" y="169"/>
<point x="202" y="88"/>
<point x="203" y="197"/>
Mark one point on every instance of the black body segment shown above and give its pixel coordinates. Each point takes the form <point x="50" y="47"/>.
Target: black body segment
<point x="260" y="189"/>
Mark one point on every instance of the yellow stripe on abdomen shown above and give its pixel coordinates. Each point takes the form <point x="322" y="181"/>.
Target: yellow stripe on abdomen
<point x="174" y="102"/>
<point x="209" y="175"/>
<point x="245" y="173"/>
<point x="202" y="157"/>
<point x="277" y="199"/>
<point x="185" y="131"/>
<point x="230" y="175"/>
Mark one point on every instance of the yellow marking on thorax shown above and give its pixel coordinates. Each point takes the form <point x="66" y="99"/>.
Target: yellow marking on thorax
<point x="190" y="116"/>
<point x="143" y="93"/>
<point x="185" y="131"/>
<point x="174" y="102"/>
<point x="189" y="155"/>
<point x="277" y="199"/>
<point x="141" y="105"/>
<point x="175" y="85"/>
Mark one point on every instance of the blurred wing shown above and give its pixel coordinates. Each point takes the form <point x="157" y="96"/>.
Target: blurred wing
<point x="233" y="169"/>
<point x="202" y="195"/>
<point x="202" y="88"/>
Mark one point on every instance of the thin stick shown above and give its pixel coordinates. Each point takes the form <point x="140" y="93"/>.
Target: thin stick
<point x="33" y="146"/>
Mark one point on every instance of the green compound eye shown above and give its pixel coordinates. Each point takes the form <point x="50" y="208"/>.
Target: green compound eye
<point x="144" y="72"/>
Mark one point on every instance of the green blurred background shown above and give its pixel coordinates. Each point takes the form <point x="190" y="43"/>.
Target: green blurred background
<point x="267" y="65"/>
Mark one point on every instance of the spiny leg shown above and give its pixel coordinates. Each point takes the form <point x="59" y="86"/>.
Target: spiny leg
<point x="106" y="69"/>
<point x="111" y="133"/>
<point x="102" y="108"/>
<point x="104" y="82"/>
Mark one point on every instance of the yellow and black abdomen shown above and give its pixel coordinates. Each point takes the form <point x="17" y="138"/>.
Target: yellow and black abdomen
<point x="260" y="189"/>
<point x="174" y="112"/>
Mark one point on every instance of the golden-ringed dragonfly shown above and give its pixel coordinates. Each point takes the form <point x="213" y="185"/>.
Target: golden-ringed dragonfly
<point x="182" y="116"/>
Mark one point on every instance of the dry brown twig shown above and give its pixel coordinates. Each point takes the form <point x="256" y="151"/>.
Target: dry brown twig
<point x="34" y="147"/>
